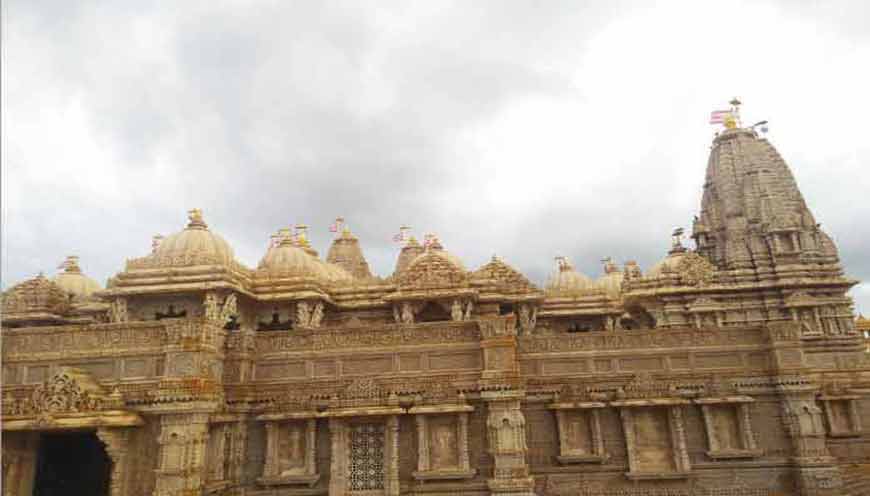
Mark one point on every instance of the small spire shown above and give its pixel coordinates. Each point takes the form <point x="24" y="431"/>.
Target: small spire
<point x="677" y="241"/>
<point x="155" y="242"/>
<point x="71" y="265"/>
<point x="609" y="266"/>
<point x="563" y="263"/>
<point x="194" y="216"/>
<point x="284" y="237"/>
<point x="301" y="236"/>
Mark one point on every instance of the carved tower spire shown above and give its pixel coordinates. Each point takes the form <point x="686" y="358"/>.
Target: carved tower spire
<point x="753" y="215"/>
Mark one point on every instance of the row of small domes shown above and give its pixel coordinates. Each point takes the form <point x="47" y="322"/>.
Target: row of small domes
<point x="289" y="254"/>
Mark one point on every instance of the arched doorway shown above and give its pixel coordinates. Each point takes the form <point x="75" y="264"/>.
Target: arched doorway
<point x="72" y="463"/>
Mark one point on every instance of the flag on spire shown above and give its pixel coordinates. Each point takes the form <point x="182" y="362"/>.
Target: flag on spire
<point x="719" y="116"/>
<point x="335" y="226"/>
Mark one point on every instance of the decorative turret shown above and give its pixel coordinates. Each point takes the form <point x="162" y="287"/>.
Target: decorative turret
<point x="410" y="251"/>
<point x="753" y="215"/>
<point x="73" y="281"/>
<point x="347" y="254"/>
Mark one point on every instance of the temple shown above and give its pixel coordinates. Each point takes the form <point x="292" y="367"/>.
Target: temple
<point x="732" y="368"/>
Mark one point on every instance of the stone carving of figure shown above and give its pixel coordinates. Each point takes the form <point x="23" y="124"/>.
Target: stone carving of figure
<point x="118" y="310"/>
<point x="456" y="310"/>
<point x="303" y="313"/>
<point x="468" y="307"/>
<point x="444" y="446"/>
<point x="806" y="317"/>
<point x="397" y="316"/>
<point x="407" y="313"/>
<point x="230" y="308"/>
<point x="528" y="316"/>
<point x="211" y="309"/>
<point x="317" y="314"/>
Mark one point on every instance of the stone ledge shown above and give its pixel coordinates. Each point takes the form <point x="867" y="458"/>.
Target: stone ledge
<point x="444" y="474"/>
<point x="287" y="480"/>
<point x="734" y="454"/>
<point x="657" y="475"/>
<point x="569" y="459"/>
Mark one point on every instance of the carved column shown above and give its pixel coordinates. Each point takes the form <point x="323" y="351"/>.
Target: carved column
<point x="19" y="462"/>
<point x="464" y="463"/>
<point x="391" y="484"/>
<point x="183" y="440"/>
<point x="506" y="429"/>
<point x="422" y="443"/>
<point x="339" y="466"/>
<point x="116" y="442"/>
<point x="815" y="469"/>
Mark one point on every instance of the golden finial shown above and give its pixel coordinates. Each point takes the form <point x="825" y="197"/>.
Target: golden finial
<point x="194" y="215"/>
<point x="732" y="120"/>
<point x="301" y="237"/>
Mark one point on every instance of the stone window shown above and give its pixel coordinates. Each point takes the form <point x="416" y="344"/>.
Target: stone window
<point x="729" y="427"/>
<point x="655" y="438"/>
<point x="442" y="446"/>
<point x="290" y="452"/>
<point x="365" y="456"/>
<point x="841" y="414"/>
<point x="580" y="439"/>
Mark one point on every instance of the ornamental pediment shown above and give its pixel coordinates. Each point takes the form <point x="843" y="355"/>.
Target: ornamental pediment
<point x="36" y="295"/>
<point x="69" y="399"/>
<point x="432" y="271"/>
<point x="503" y="275"/>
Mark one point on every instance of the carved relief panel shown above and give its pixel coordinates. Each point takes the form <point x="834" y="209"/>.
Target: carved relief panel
<point x="290" y="453"/>
<point x="442" y="447"/>
<point x="841" y="415"/>
<point x="655" y="441"/>
<point x="580" y="438"/>
<point x="729" y="428"/>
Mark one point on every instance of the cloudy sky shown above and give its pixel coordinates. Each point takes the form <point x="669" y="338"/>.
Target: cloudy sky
<point x="527" y="129"/>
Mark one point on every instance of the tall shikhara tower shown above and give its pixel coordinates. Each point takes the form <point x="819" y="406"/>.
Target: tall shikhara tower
<point x="754" y="220"/>
<point x="761" y="257"/>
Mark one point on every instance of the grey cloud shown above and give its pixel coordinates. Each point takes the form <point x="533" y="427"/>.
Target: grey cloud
<point x="301" y="112"/>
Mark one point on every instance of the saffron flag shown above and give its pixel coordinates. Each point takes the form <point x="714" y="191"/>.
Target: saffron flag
<point x="719" y="116"/>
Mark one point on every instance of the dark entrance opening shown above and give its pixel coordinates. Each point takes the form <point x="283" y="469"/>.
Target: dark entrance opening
<point x="72" y="463"/>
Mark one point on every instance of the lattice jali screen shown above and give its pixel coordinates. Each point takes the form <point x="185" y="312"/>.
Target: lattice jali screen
<point x="366" y="457"/>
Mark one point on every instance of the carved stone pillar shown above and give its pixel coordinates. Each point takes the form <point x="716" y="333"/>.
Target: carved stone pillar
<point x="506" y="429"/>
<point x="815" y="469"/>
<point x="339" y="465"/>
<point x="181" y="468"/>
<point x="391" y="482"/>
<point x="116" y="442"/>
<point x="19" y="462"/>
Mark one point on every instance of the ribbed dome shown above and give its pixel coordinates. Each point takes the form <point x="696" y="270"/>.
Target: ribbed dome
<point x="668" y="264"/>
<point x="566" y="279"/>
<point x="289" y="260"/>
<point x="73" y="281"/>
<point x="197" y="242"/>
<point x="611" y="281"/>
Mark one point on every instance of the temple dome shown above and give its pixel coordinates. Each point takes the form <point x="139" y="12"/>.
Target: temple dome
<point x="611" y="281"/>
<point x="567" y="279"/>
<point x="668" y="264"/>
<point x="195" y="242"/>
<point x="74" y="282"/>
<point x="289" y="259"/>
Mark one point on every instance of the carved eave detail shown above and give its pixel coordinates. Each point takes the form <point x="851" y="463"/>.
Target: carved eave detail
<point x="70" y="399"/>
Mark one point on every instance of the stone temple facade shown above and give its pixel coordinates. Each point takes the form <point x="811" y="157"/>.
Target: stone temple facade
<point x="735" y="368"/>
